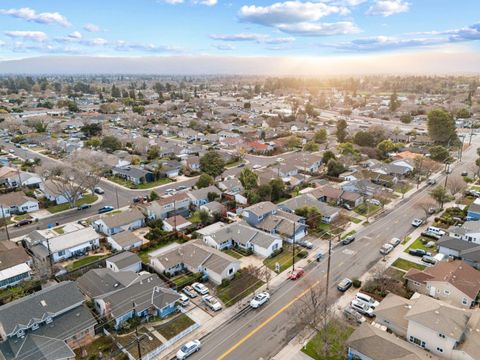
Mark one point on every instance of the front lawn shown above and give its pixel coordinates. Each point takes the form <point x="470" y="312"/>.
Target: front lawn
<point x="86" y="199"/>
<point x="284" y="259"/>
<point x="185" y="279"/>
<point x="420" y="244"/>
<point x="84" y="261"/>
<point x="175" y="326"/>
<point x="355" y="220"/>
<point x="147" y="185"/>
<point x="242" y="285"/>
<point x="337" y="334"/>
<point x="233" y="253"/>
<point x="407" y="265"/>
<point x="102" y="344"/>
<point x="366" y="209"/>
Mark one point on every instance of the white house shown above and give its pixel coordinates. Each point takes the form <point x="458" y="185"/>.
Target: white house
<point x="53" y="193"/>
<point x="125" y="240"/>
<point x="125" y="261"/>
<point x="127" y="220"/>
<point x="17" y="202"/>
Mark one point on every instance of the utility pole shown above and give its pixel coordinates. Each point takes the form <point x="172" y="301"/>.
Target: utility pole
<point x="471" y="134"/>
<point x="136" y="336"/>
<point x="327" y="285"/>
<point x="116" y="195"/>
<point x="5" y="223"/>
<point x="175" y="216"/>
<point x="293" y="249"/>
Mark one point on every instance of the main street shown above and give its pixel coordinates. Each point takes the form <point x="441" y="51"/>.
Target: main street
<point x="262" y="333"/>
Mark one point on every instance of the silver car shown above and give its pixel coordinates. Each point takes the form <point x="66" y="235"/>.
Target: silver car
<point x="188" y="349"/>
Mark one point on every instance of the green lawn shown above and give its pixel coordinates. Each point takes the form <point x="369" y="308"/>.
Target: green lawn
<point x="242" y="285"/>
<point x="233" y="253"/>
<point x="355" y="220"/>
<point x="174" y="326"/>
<point x="59" y="230"/>
<point x="337" y="334"/>
<point x="284" y="259"/>
<point x="418" y="244"/>
<point x="195" y="218"/>
<point x="148" y="185"/>
<point x="366" y="209"/>
<point x="407" y="265"/>
<point x="86" y="199"/>
<point x="184" y="279"/>
<point x="84" y="261"/>
<point x="102" y="344"/>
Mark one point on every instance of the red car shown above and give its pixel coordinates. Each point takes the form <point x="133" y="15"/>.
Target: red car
<point x="296" y="274"/>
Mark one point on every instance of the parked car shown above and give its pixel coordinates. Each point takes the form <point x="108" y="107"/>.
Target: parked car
<point x="306" y="244"/>
<point x="23" y="222"/>
<point x="256" y="166"/>
<point x="319" y="257"/>
<point x="464" y="173"/>
<point x="98" y="190"/>
<point x="259" y="299"/>
<point x="429" y="259"/>
<point x="188" y="290"/>
<point x="347" y="206"/>
<point x="348" y="240"/>
<point x="181" y="187"/>
<point x="200" y="288"/>
<point x="386" y="249"/>
<point x="472" y="192"/>
<point x="374" y="202"/>
<point x="367" y="299"/>
<point x="184" y="300"/>
<point x="84" y="206"/>
<point x="344" y="285"/>
<point x="419" y="252"/>
<point x="431" y="181"/>
<point x="362" y="308"/>
<point x="296" y="274"/>
<point x="170" y="192"/>
<point x="353" y="315"/>
<point x="417" y="222"/>
<point x="105" y="209"/>
<point x="211" y="302"/>
<point x="188" y="349"/>
<point x="395" y="242"/>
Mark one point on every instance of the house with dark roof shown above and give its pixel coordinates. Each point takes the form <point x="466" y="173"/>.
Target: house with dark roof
<point x="135" y="174"/>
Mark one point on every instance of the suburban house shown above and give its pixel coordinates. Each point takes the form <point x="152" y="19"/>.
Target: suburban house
<point x="288" y="225"/>
<point x="460" y="249"/>
<point x="135" y="174"/>
<point x="47" y="324"/>
<point x="149" y="294"/>
<point x="46" y="244"/>
<point x="125" y="240"/>
<point x="197" y="258"/>
<point x="127" y="220"/>
<point x="364" y="187"/>
<point x="453" y="282"/>
<point x="54" y="193"/>
<point x="167" y="206"/>
<point x="125" y="261"/>
<point x="469" y="231"/>
<point x="328" y="213"/>
<point x="13" y="178"/>
<point x="214" y="208"/>
<point x="257" y="212"/>
<point x="244" y="237"/>
<point x="177" y="222"/>
<point x="309" y="163"/>
<point x="440" y="328"/>
<point x="17" y="203"/>
<point x="192" y="163"/>
<point x="99" y="282"/>
<point x="231" y="186"/>
<point x="473" y="211"/>
<point x="200" y="197"/>
<point x="15" y="264"/>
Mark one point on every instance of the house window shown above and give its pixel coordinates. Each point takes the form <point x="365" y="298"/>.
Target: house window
<point x="439" y="349"/>
<point x="230" y="271"/>
<point x="442" y="336"/>
<point x="446" y="292"/>
<point x="61" y="253"/>
<point x="417" y="342"/>
<point x="464" y="301"/>
<point x="35" y="326"/>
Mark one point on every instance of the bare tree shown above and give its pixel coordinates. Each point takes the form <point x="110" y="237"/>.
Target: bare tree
<point x="456" y="185"/>
<point x="426" y="206"/>
<point x="93" y="165"/>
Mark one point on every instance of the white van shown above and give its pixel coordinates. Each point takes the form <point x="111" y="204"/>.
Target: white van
<point x="367" y="299"/>
<point x="435" y="230"/>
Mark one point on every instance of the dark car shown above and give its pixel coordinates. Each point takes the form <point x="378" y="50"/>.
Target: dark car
<point x="23" y="222"/>
<point x="84" y="206"/>
<point x="464" y="173"/>
<point x="348" y="240"/>
<point x="418" y="252"/>
<point x="105" y="209"/>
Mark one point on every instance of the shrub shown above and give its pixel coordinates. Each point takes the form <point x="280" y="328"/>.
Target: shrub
<point x="356" y="283"/>
<point x="302" y="254"/>
<point x="276" y="252"/>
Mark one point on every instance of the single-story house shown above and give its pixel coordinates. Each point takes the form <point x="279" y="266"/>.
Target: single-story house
<point x="177" y="222"/>
<point x="214" y="208"/>
<point x="127" y="220"/>
<point x="17" y="202"/>
<point x="200" y="197"/>
<point x="135" y="174"/>
<point x="124" y="240"/>
<point x="327" y="212"/>
<point x="54" y="193"/>
<point x="125" y="261"/>
<point x="15" y="264"/>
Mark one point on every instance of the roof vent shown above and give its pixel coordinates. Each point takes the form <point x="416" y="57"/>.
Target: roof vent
<point x="437" y="312"/>
<point x="43" y="303"/>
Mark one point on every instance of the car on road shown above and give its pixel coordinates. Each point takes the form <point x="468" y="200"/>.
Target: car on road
<point x="257" y="166"/>
<point x="84" y="206"/>
<point x="188" y="349"/>
<point x="417" y="222"/>
<point x="344" y="285"/>
<point x="104" y="209"/>
<point x="189" y="291"/>
<point x="395" y="242"/>
<point x="348" y="240"/>
<point x="18" y="146"/>
<point x="431" y="181"/>
<point x="419" y="252"/>
<point x="170" y="192"/>
<point x="306" y="244"/>
<point x="181" y="187"/>
<point x="11" y="151"/>
<point x="296" y="274"/>
<point x="200" y="288"/>
<point x="23" y="222"/>
<point x="211" y="302"/>
<point x="259" y="299"/>
<point x="98" y="190"/>
<point x="464" y="173"/>
<point x="362" y="308"/>
<point x="386" y="249"/>
<point x="353" y="315"/>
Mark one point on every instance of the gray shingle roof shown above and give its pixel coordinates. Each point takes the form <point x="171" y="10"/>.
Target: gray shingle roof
<point x="125" y="238"/>
<point x="124" y="218"/>
<point x="124" y="259"/>
<point x="98" y="282"/>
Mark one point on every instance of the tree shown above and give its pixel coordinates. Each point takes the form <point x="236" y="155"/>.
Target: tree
<point x="320" y="136"/>
<point x="248" y="179"/>
<point x="439" y="153"/>
<point x="425" y="207"/>
<point x="327" y="155"/>
<point x="153" y="196"/>
<point x="110" y="144"/>
<point x="311" y="146"/>
<point x="341" y="130"/>
<point x="265" y="192"/>
<point x="278" y="189"/>
<point x="212" y="196"/>
<point x="441" y="127"/>
<point x="293" y="142"/>
<point x="406" y="118"/>
<point x="212" y="163"/>
<point x="440" y="195"/>
<point x="92" y="166"/>
<point x="204" y="217"/>
<point x="335" y="168"/>
<point x="90" y="130"/>
<point x="456" y="185"/>
<point x="364" y="138"/>
<point x="153" y="152"/>
<point x="204" y="181"/>
<point x="386" y="146"/>
<point x="463" y="114"/>
<point x="115" y="92"/>
<point x="394" y="102"/>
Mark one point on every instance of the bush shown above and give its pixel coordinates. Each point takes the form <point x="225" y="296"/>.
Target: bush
<point x="302" y="254"/>
<point x="276" y="252"/>
<point x="225" y="283"/>
<point x="356" y="283"/>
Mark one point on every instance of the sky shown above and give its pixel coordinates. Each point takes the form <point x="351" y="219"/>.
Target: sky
<point x="334" y="32"/>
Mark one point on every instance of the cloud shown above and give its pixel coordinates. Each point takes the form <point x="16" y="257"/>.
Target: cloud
<point x="121" y="45"/>
<point x="284" y="40"/>
<point x="75" y="35"/>
<point x="388" y="7"/>
<point x="41" y="18"/>
<point x="28" y="35"/>
<point x="320" y="29"/>
<point x="91" y="27"/>
<point x="95" y="42"/>
<point x="237" y="37"/>
<point x="224" y="47"/>
<point x="205" y="2"/>
<point x="172" y="2"/>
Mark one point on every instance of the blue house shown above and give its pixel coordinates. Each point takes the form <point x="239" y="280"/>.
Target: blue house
<point x="473" y="212"/>
<point x="149" y="294"/>
<point x="200" y="197"/>
<point x="258" y="212"/>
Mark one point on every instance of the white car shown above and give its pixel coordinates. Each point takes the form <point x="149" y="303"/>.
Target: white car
<point x="259" y="299"/>
<point x="395" y="242"/>
<point x="184" y="300"/>
<point x="212" y="303"/>
<point x="386" y="249"/>
<point x="362" y="308"/>
<point x="367" y="299"/>
<point x="417" y="222"/>
<point x="188" y="349"/>
<point x="257" y="166"/>
<point x="374" y="202"/>
<point x="200" y="288"/>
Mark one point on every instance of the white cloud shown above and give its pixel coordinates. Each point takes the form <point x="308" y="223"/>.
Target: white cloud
<point x="320" y="29"/>
<point x="42" y="18"/>
<point x="91" y="27"/>
<point x="388" y="7"/>
<point x="284" y="40"/>
<point x="380" y="43"/>
<point x="237" y="37"/>
<point x="75" y="35"/>
<point x="224" y="47"/>
<point x="28" y="35"/>
<point x="172" y="2"/>
<point x="206" y="2"/>
<point x="95" y="42"/>
<point x="122" y="45"/>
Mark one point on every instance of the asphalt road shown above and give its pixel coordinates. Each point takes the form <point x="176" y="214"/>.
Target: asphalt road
<point x="262" y="333"/>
